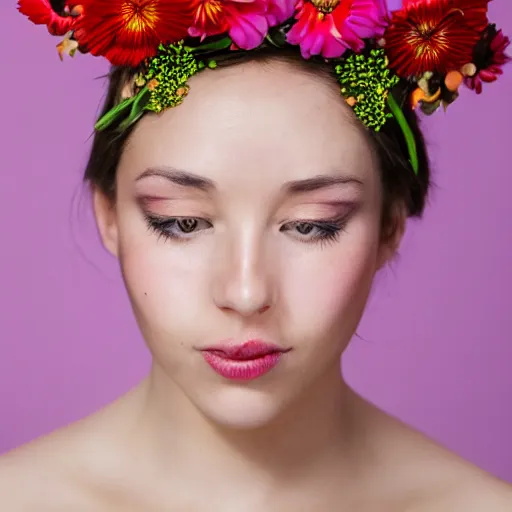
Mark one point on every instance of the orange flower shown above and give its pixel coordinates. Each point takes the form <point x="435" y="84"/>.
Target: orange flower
<point x="128" y="31"/>
<point x="434" y="35"/>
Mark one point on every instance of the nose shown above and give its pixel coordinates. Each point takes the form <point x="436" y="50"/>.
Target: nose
<point x="242" y="281"/>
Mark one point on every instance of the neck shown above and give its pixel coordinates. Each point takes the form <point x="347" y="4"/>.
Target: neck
<point x="177" y="441"/>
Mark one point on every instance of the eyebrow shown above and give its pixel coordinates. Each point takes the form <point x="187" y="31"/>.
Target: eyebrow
<point x="194" y="181"/>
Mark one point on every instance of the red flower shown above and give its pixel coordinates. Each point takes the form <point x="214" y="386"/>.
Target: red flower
<point x="40" y="12"/>
<point x="489" y="57"/>
<point x="434" y="35"/>
<point x="128" y="31"/>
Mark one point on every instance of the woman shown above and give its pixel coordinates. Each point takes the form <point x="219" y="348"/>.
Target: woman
<point x="250" y="205"/>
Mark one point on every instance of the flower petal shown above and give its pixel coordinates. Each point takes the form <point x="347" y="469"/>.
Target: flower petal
<point x="40" y="12"/>
<point x="246" y="21"/>
<point x="128" y="31"/>
<point x="489" y="56"/>
<point x="248" y="32"/>
<point x="341" y="28"/>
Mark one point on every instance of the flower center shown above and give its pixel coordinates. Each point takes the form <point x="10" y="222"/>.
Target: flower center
<point x="212" y="9"/>
<point x="210" y="13"/>
<point x="430" y="36"/>
<point x="325" y="6"/>
<point x="425" y="29"/>
<point x="139" y="15"/>
<point x="427" y="39"/>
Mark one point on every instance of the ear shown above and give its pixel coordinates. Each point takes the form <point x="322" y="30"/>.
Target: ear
<point x="106" y="220"/>
<point x="391" y="241"/>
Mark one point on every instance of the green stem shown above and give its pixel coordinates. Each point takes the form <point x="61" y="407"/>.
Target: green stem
<point x="406" y="129"/>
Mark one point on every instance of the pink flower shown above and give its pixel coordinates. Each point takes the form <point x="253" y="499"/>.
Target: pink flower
<point x="330" y="27"/>
<point x="489" y="56"/>
<point x="246" y="21"/>
<point x="279" y="11"/>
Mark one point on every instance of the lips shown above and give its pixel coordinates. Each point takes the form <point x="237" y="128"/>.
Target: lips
<point x="247" y="361"/>
<point x="251" y="349"/>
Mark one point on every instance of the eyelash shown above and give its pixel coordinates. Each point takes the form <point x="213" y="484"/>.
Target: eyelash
<point x="329" y="230"/>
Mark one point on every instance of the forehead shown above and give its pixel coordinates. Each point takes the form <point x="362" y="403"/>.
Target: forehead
<point x="250" y="123"/>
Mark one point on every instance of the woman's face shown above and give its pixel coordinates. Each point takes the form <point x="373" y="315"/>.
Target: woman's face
<point x="256" y="252"/>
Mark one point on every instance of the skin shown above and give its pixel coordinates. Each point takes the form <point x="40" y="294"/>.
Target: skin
<point x="298" y="438"/>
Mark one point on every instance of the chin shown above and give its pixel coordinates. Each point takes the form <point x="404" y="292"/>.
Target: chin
<point x="240" y="408"/>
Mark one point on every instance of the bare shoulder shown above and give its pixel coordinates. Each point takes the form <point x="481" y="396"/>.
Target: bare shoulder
<point x="41" y="475"/>
<point x="457" y="484"/>
<point x="464" y="486"/>
<point x="59" y="471"/>
<point x="428" y="477"/>
<point x="475" y="492"/>
<point x="81" y="466"/>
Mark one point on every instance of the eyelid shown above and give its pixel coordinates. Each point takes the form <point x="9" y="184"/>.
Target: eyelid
<point x="348" y="209"/>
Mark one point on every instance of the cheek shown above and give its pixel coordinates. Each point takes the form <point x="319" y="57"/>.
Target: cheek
<point x="165" y="285"/>
<point x="327" y="291"/>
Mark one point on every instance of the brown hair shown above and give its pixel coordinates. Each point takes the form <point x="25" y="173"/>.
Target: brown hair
<point x="399" y="182"/>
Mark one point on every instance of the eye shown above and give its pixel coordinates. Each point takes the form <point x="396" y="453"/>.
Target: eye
<point x="304" y="228"/>
<point x="177" y="228"/>
<point x="323" y="230"/>
<point x="186" y="225"/>
<point x="174" y="227"/>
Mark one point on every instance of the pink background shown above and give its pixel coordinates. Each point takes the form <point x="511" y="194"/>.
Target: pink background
<point x="437" y="348"/>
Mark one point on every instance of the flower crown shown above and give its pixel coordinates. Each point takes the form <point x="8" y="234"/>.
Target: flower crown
<point x="421" y="53"/>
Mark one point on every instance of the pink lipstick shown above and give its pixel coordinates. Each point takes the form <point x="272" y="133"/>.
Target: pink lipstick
<point x="247" y="361"/>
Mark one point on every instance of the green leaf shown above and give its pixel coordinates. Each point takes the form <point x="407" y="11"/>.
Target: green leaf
<point x="276" y="36"/>
<point x="222" y="44"/>
<point x="133" y="118"/>
<point x="268" y="37"/>
<point x="139" y="104"/>
<point x="406" y="129"/>
<point x="113" y="114"/>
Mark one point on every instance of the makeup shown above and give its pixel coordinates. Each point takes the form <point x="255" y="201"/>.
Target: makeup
<point x="247" y="361"/>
